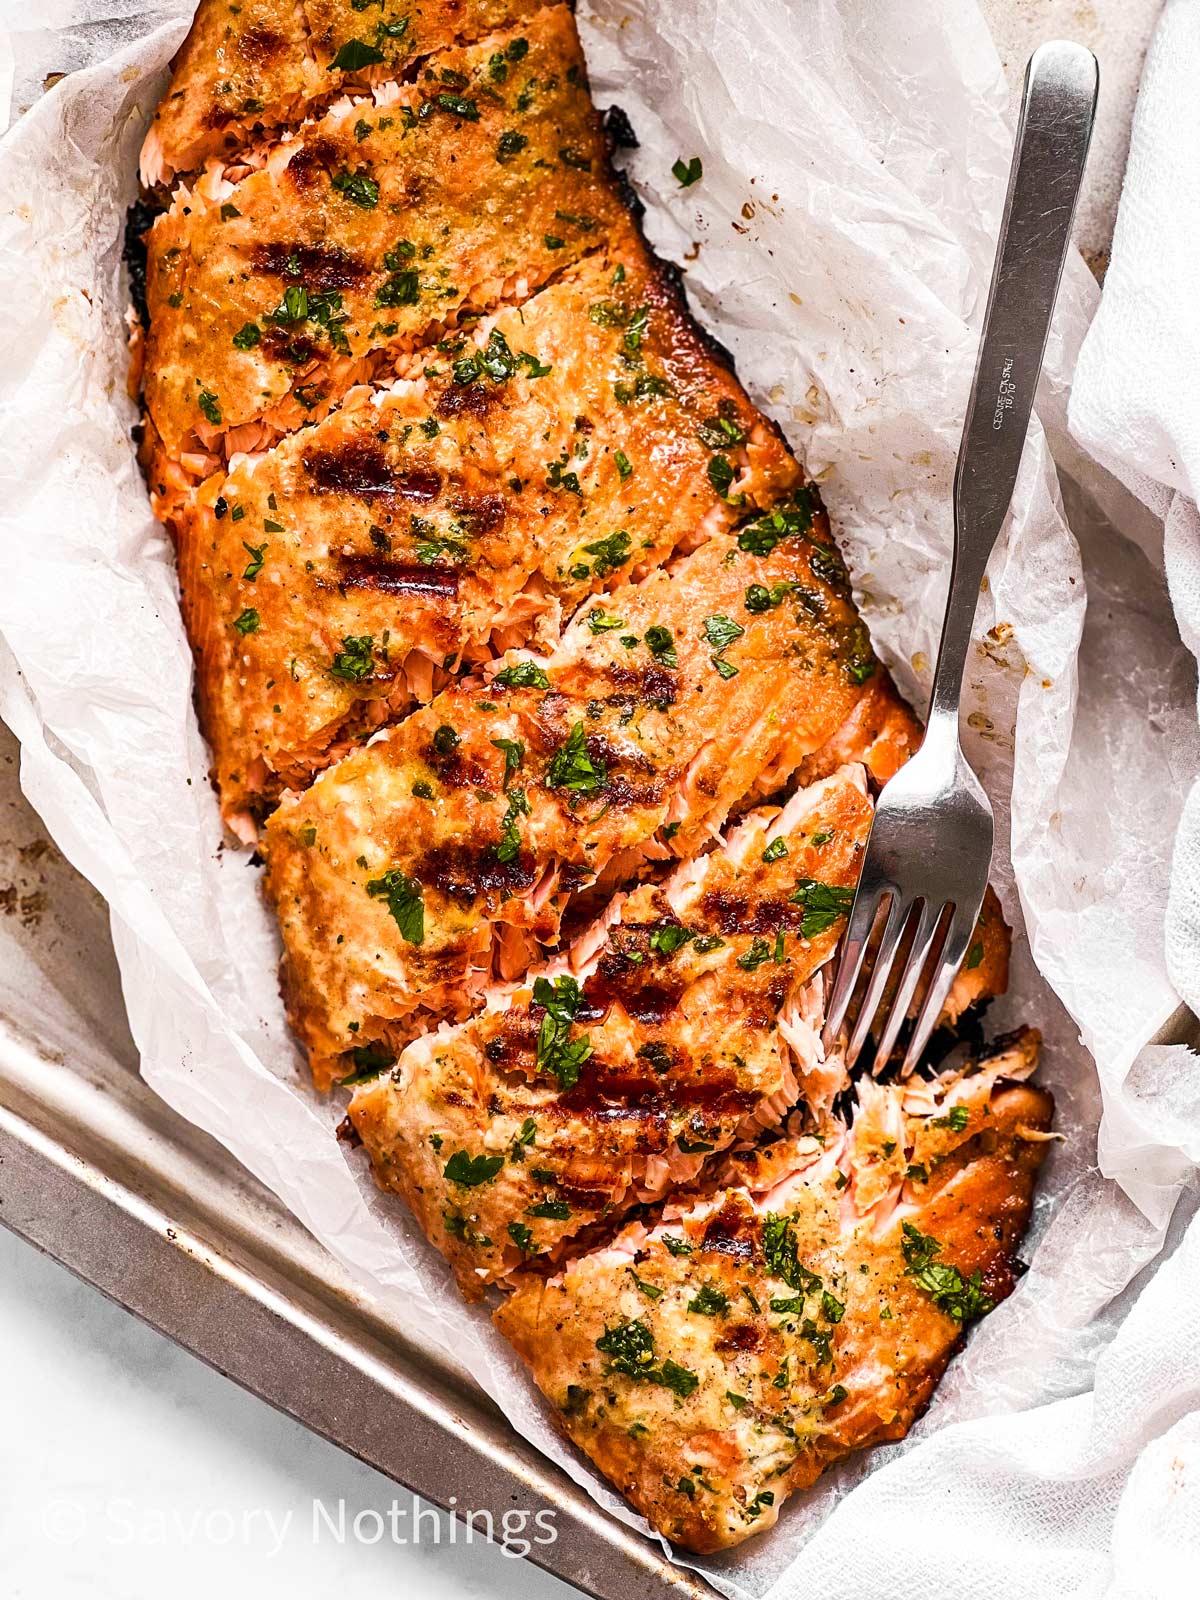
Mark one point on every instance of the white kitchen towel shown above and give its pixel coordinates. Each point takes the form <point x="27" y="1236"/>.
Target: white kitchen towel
<point x="1136" y="401"/>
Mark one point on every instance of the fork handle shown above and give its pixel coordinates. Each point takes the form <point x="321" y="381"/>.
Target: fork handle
<point x="1057" y="111"/>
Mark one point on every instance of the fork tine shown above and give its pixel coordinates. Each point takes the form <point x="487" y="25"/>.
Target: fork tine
<point x="893" y="932"/>
<point x="917" y="957"/>
<point x="854" y="945"/>
<point x="958" y="938"/>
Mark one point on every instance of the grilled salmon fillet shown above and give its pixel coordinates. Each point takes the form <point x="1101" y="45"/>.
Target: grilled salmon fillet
<point x="250" y="65"/>
<point x="431" y="862"/>
<point x="456" y="511"/>
<point x="510" y="611"/>
<point x="718" y="1357"/>
<point x="275" y="284"/>
<point x="688" y="1017"/>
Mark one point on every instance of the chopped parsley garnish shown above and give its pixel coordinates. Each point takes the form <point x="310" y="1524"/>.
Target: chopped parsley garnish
<point x="676" y="1245"/>
<point x="445" y="740"/>
<point x="401" y="288"/>
<point x="358" y="188"/>
<point x="836" y="1395"/>
<point x="354" y="661"/>
<point x="458" y="1227"/>
<point x="823" y="904"/>
<point x="822" y="836"/>
<point x="294" y="305"/>
<point x="763" y="1499"/>
<point x="721" y="474"/>
<point x="609" y="554"/>
<point x="738" y="1401"/>
<point x="720" y="433"/>
<point x="498" y="361"/>
<point x="760" y="951"/>
<point x="678" y="1379"/>
<point x="550" y="1210"/>
<point x="257" y="554"/>
<point x="522" y="1237"/>
<point x="369" y="1061"/>
<point x="571" y="767"/>
<point x="761" y="537"/>
<point x="247" y="336"/>
<point x="956" y="1119"/>
<point x="692" y="1147"/>
<point x="708" y="942"/>
<point x="832" y="1309"/>
<point x="662" y="646"/>
<point x="470" y="1171"/>
<point x="646" y="386"/>
<point x="509" y="144"/>
<point x="709" y="1302"/>
<point x="860" y="660"/>
<point x="686" y="173"/>
<point x="468" y="110"/>
<point x="354" y="55"/>
<point x="514" y="755"/>
<point x="248" y="622"/>
<point x="776" y="850"/>
<point x="508" y="847"/>
<point x="210" y="406"/>
<point x="404" y="903"/>
<point x="961" y="1298"/>
<point x="828" y="565"/>
<point x="557" y="1052"/>
<point x="601" y="622"/>
<point x="760" y="598"/>
<point x="522" y="675"/>
<point x="624" y="465"/>
<point x="975" y="955"/>
<point x="652" y="1291"/>
<point x="722" y="631"/>
<point x="525" y="1135"/>
<point x="629" y="1348"/>
<point x="558" y="478"/>
<point x="669" y="938"/>
<point x="781" y="1254"/>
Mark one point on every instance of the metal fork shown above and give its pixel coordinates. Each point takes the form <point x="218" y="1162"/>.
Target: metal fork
<point x="931" y="841"/>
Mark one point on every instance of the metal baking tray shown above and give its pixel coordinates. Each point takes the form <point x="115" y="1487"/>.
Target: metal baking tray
<point x="98" y="1172"/>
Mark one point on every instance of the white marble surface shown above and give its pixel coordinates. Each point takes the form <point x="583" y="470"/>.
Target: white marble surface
<point x="130" y="1471"/>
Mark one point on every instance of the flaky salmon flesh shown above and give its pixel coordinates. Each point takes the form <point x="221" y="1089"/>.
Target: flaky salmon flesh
<point x="434" y="861"/>
<point x="278" y="282"/>
<point x="255" y="65"/>
<point x="453" y="514"/>
<point x="719" y="1355"/>
<point x="528" y="660"/>
<point x="688" y="1017"/>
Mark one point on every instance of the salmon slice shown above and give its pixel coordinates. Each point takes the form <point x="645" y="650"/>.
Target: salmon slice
<point x="719" y="1357"/>
<point x="372" y="228"/>
<point x="453" y="514"/>
<point x="394" y="874"/>
<point x="256" y="64"/>
<point x="615" y="1073"/>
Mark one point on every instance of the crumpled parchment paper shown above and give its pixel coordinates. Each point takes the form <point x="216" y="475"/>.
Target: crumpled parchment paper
<point x="855" y="155"/>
